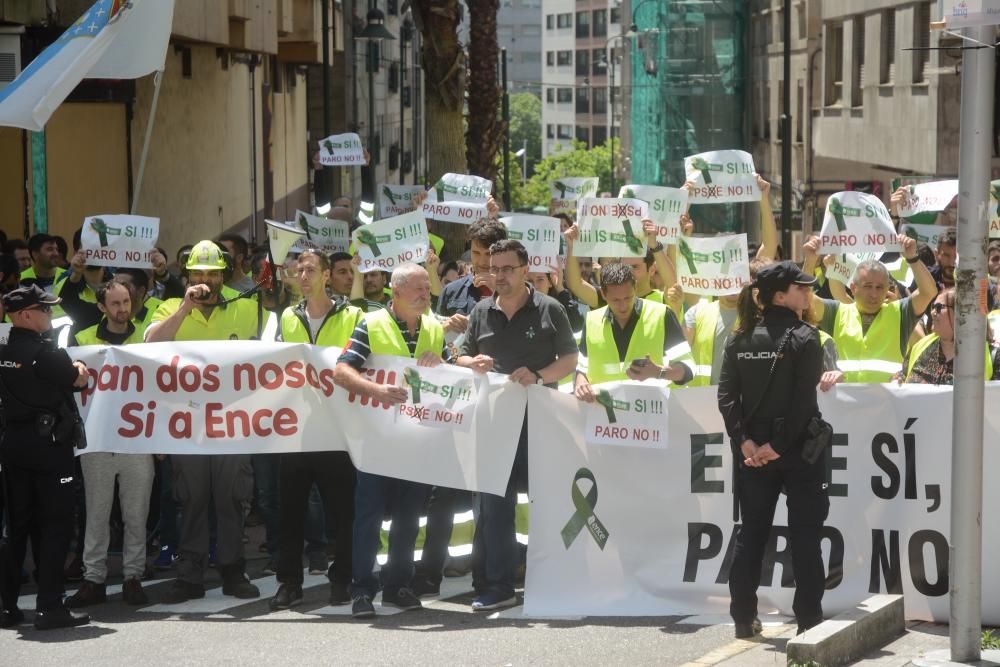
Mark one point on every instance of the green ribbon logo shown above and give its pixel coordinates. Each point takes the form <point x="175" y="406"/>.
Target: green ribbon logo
<point x="442" y="188"/>
<point x="610" y="405"/>
<point x="633" y="242"/>
<point x="388" y="194"/>
<point x="412" y="377"/>
<point x="365" y="237"/>
<point x="629" y="194"/>
<point x="837" y="211"/>
<point x="562" y="188"/>
<point x="103" y="231"/>
<point x="705" y="168"/>
<point x="329" y="145"/>
<point x="688" y="255"/>
<point x="584" y="515"/>
<point x="304" y="224"/>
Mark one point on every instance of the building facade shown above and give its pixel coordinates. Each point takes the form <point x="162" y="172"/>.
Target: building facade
<point x="519" y="30"/>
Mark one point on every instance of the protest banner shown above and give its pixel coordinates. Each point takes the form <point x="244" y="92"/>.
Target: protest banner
<point x="540" y="236"/>
<point x="665" y="531"/>
<point x="322" y="233"/>
<point x="610" y="227"/>
<point x="713" y="265"/>
<point x="927" y="234"/>
<point x="567" y="191"/>
<point x="458" y="198"/>
<point x="385" y="244"/>
<point x="342" y="150"/>
<point x="120" y="240"/>
<point x="857" y="222"/>
<point x="666" y="206"/>
<point x="628" y="414"/>
<point x="440" y="397"/>
<point x="722" y="177"/>
<point x="397" y="199"/>
<point x="223" y="397"/>
<point x="928" y="197"/>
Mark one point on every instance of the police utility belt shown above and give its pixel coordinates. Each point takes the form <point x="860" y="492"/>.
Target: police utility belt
<point x="62" y="424"/>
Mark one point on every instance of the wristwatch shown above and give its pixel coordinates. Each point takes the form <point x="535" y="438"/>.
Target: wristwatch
<point x="662" y="375"/>
<point x="538" y="378"/>
<point x="658" y="247"/>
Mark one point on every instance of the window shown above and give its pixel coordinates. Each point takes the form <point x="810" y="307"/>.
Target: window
<point x="550" y="58"/>
<point x="615" y="14"/>
<point x="600" y="101"/>
<point x="800" y="15"/>
<point x="531" y="30"/>
<point x="583" y="100"/>
<point x="600" y="135"/>
<point x="858" y="76"/>
<point x="582" y="62"/>
<point x="550" y="131"/>
<point x="779" y="26"/>
<point x="550" y="95"/>
<point x="600" y="22"/>
<point x="921" y="41"/>
<point x="564" y="132"/>
<point x="888" y="66"/>
<point x="834" y="64"/>
<point x="799" y="111"/>
<point x="583" y="134"/>
<point x="531" y="57"/>
<point x="564" y="21"/>
<point x="564" y="58"/>
<point x="583" y="24"/>
<point x="565" y="95"/>
<point x="550" y="22"/>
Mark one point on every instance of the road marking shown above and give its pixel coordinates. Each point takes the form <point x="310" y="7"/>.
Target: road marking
<point x="737" y="646"/>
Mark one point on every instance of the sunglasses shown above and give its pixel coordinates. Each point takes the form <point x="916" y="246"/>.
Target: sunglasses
<point x="43" y="308"/>
<point x="938" y="307"/>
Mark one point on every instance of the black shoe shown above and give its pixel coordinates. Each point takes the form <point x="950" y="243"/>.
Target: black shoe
<point x="748" y="630"/>
<point x="424" y="587"/>
<point x="182" y="591"/>
<point x="74" y="571"/>
<point x="238" y="585"/>
<point x="363" y="607"/>
<point x="89" y="593"/>
<point x="401" y="599"/>
<point x="53" y="619"/>
<point x="11" y="617"/>
<point x="805" y="626"/>
<point x="288" y="596"/>
<point x="132" y="593"/>
<point x="339" y="594"/>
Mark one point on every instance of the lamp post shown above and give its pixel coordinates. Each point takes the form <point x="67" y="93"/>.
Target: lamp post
<point x="608" y="63"/>
<point x="405" y="36"/>
<point x="373" y="33"/>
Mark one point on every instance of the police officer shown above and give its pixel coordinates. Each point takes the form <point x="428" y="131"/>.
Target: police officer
<point x="767" y="396"/>
<point x="38" y="469"/>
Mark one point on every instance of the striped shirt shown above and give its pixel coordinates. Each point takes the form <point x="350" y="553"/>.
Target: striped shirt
<point x="358" y="349"/>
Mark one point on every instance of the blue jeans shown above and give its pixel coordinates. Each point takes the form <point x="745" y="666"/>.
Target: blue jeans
<point x="494" y="547"/>
<point x="315" y="527"/>
<point x="407" y="502"/>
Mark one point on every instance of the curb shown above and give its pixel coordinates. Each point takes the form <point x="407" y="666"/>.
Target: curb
<point x="851" y="635"/>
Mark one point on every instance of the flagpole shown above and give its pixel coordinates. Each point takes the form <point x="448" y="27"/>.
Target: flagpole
<point x="157" y="80"/>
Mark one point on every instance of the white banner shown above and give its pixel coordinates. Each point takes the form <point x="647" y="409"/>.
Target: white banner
<point x="540" y="236"/>
<point x="928" y="197"/>
<point x="385" y="244"/>
<point x="610" y="227"/>
<point x="927" y="234"/>
<point x="713" y="265"/>
<point x="340" y="150"/>
<point x="458" y="198"/>
<point x="627" y="414"/>
<point x="662" y="517"/>
<point x="322" y="233"/>
<point x="964" y="13"/>
<point x="120" y="240"/>
<point x="397" y="199"/>
<point x="843" y="266"/>
<point x="566" y="192"/>
<point x="857" y="222"/>
<point x="666" y="205"/>
<point x="722" y="177"/>
<point x="219" y="397"/>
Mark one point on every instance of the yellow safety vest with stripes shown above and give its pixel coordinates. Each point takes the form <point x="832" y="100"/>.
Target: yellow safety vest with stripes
<point x="924" y="343"/>
<point x="335" y="331"/>
<point x="89" y="336"/>
<point x="871" y="357"/>
<point x="706" y="322"/>
<point x="384" y="336"/>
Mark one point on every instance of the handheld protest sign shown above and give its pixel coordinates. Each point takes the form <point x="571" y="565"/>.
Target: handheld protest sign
<point x="666" y="206"/>
<point x="610" y="227"/>
<point x="322" y="233"/>
<point x="842" y="267"/>
<point x="567" y="191"/>
<point x="857" y="222"/>
<point x="126" y="241"/>
<point x="926" y="234"/>
<point x="540" y="235"/>
<point x="385" y="244"/>
<point x="458" y="198"/>
<point x="928" y="198"/>
<point x="713" y="265"/>
<point x="342" y="150"/>
<point x="439" y="397"/>
<point x="722" y="177"/>
<point x="396" y="199"/>
<point x="627" y="414"/>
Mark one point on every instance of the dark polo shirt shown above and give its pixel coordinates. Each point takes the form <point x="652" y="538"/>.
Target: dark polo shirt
<point x="537" y="334"/>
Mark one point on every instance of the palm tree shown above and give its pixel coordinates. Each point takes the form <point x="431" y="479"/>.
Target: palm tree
<point x="485" y="131"/>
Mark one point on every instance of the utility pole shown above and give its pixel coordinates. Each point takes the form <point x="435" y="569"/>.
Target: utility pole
<point x="786" y="133"/>
<point x="975" y="146"/>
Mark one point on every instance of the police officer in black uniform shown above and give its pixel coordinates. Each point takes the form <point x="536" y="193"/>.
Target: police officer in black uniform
<point x="36" y="384"/>
<point x="767" y="396"/>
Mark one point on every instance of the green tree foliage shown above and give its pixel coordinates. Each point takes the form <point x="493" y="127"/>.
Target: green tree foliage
<point x="526" y="126"/>
<point x="578" y="161"/>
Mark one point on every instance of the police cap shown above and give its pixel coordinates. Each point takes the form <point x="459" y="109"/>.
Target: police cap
<point x="778" y="277"/>
<point x="26" y="297"/>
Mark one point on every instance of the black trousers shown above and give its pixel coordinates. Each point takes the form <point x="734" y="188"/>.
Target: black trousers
<point x="334" y="475"/>
<point x="444" y="503"/>
<point x="39" y="479"/>
<point x="808" y="506"/>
